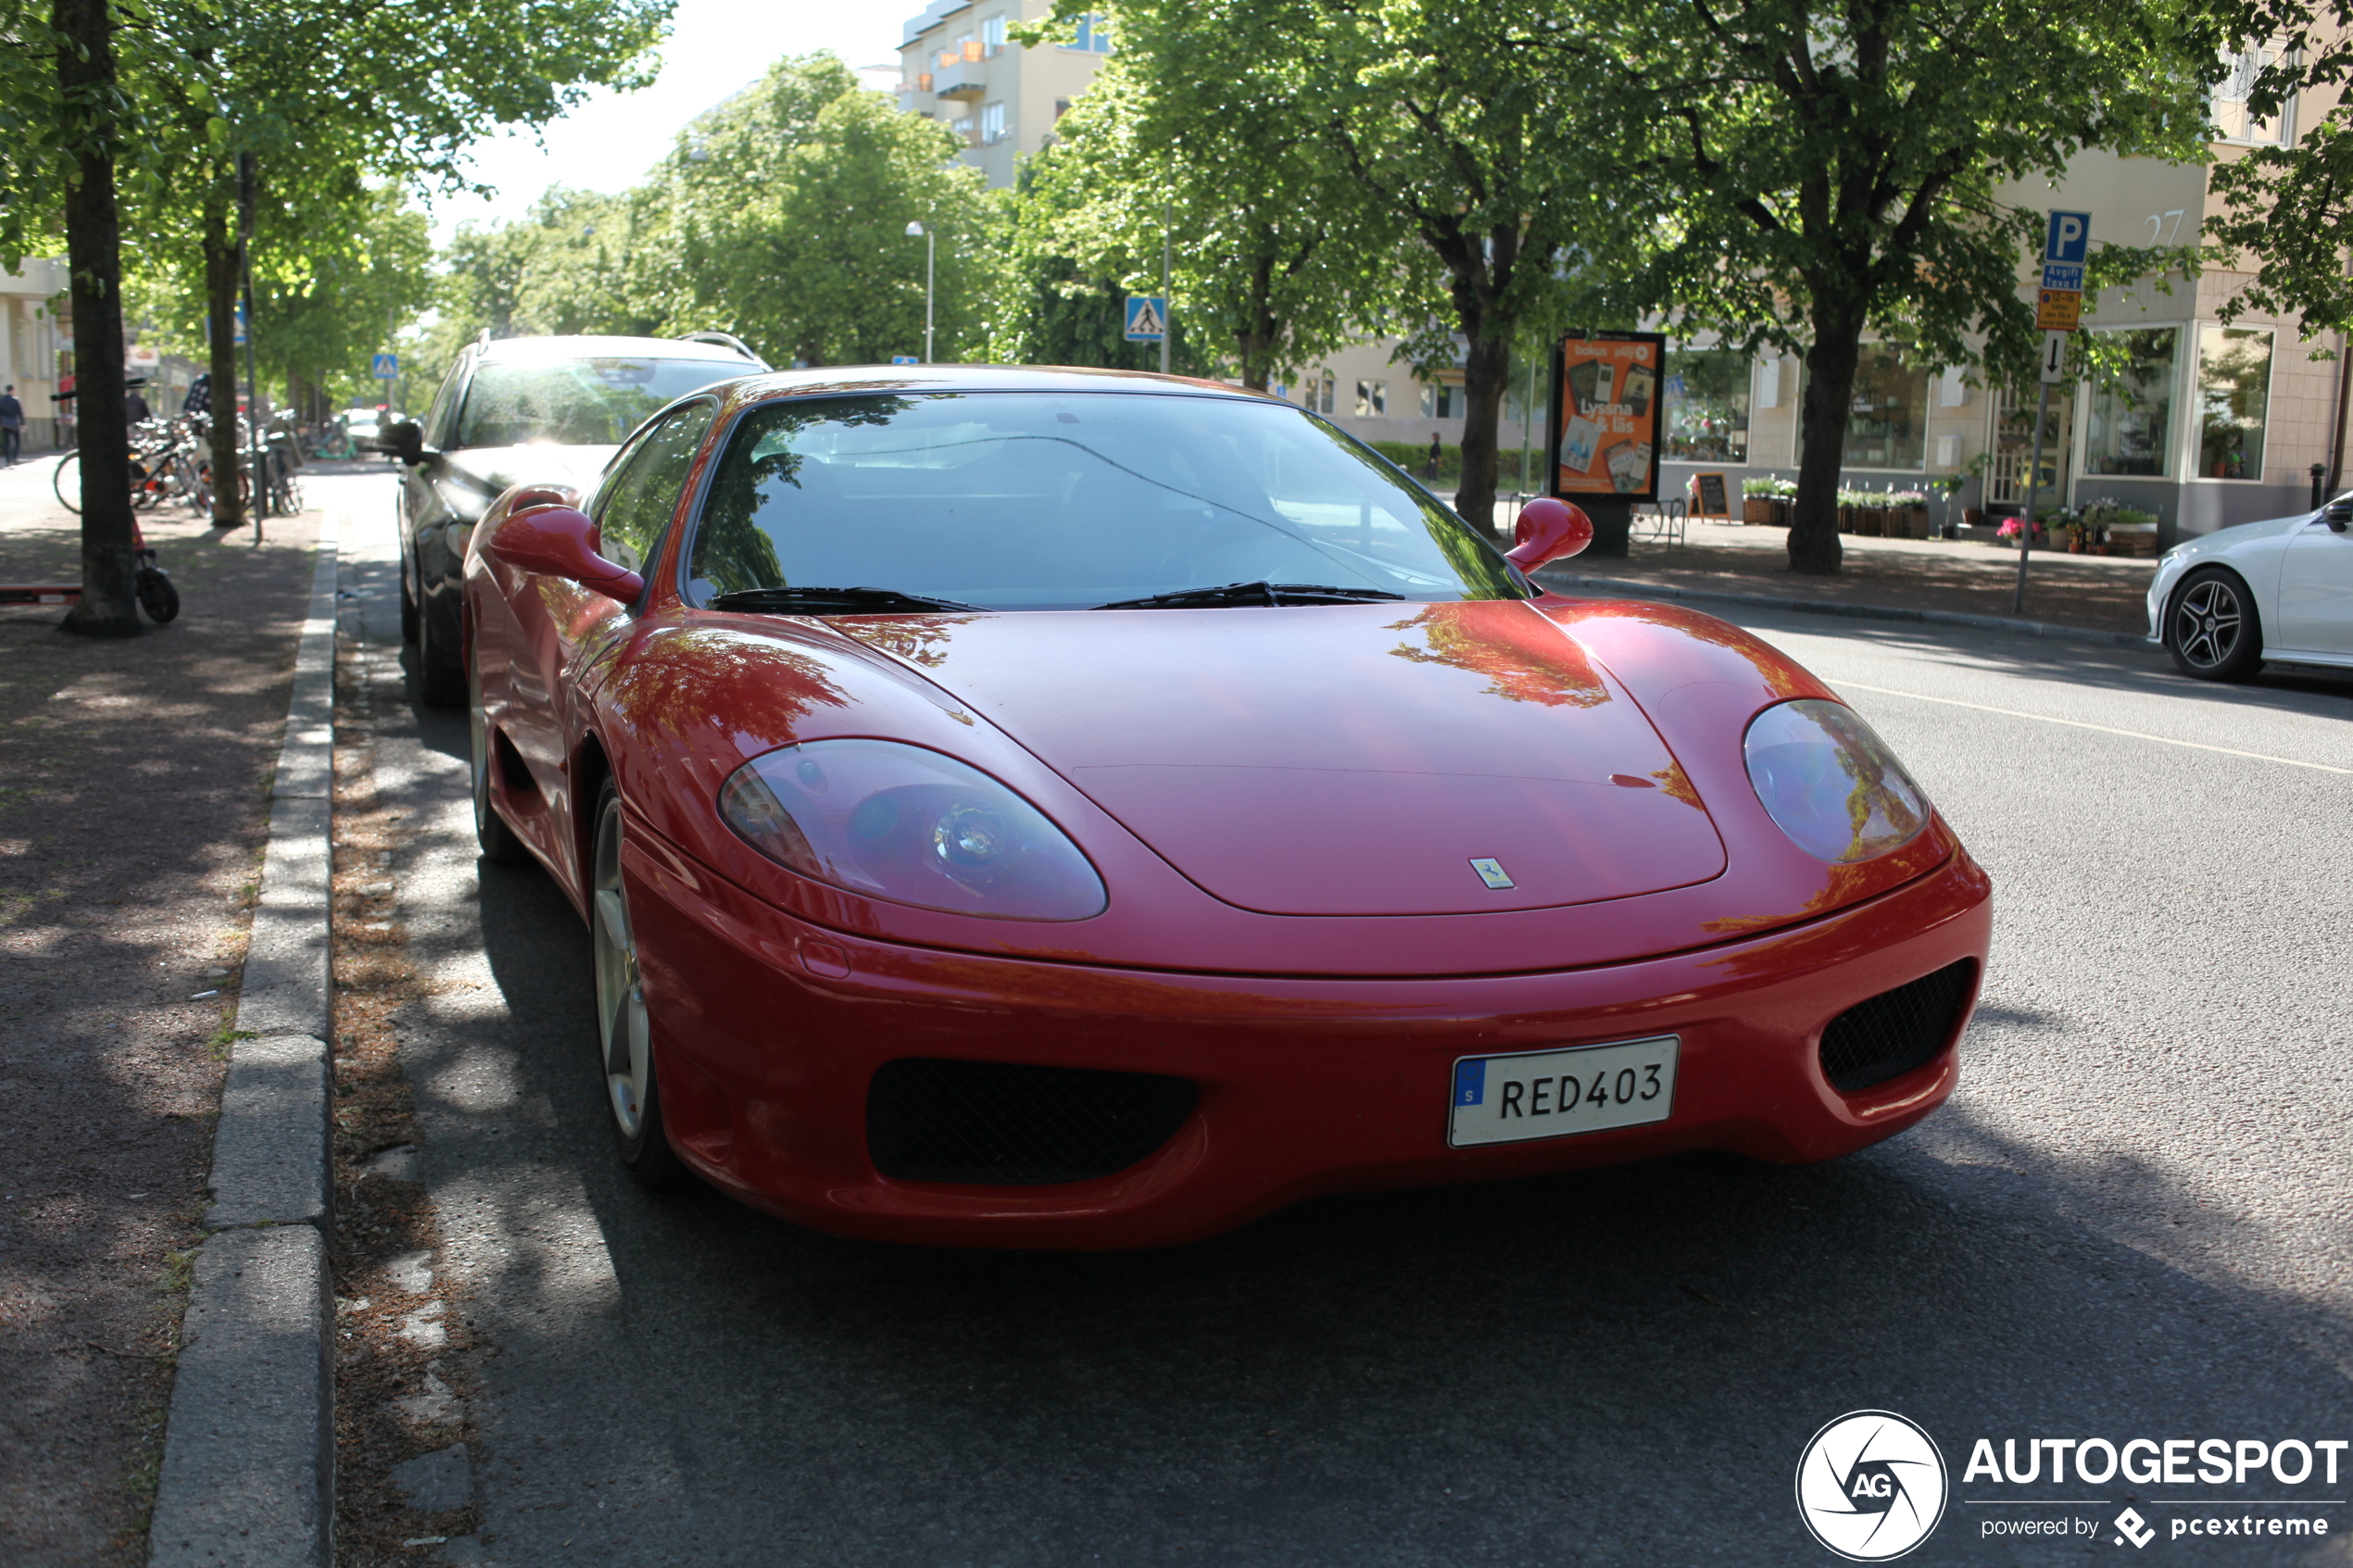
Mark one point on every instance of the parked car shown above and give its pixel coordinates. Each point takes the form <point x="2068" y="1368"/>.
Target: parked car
<point x="1063" y="809"/>
<point x="549" y="407"/>
<point x="2282" y="588"/>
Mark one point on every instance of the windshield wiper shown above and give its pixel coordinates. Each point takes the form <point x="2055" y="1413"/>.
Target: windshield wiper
<point x="1254" y="594"/>
<point x="832" y="601"/>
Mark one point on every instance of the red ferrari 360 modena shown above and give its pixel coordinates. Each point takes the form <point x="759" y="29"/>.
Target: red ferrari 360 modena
<point x="1063" y="809"/>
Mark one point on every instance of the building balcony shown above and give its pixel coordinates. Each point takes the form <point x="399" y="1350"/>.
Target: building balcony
<point x="962" y="80"/>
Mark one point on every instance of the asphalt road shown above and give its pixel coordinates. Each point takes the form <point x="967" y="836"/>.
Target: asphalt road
<point x="2132" y="1221"/>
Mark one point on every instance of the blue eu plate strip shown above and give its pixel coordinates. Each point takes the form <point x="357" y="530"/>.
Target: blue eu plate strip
<point x="1470" y="1082"/>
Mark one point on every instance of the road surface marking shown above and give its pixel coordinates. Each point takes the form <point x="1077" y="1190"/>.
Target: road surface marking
<point x="2104" y="729"/>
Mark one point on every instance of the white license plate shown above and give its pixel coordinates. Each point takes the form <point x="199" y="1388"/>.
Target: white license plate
<point x="1553" y="1094"/>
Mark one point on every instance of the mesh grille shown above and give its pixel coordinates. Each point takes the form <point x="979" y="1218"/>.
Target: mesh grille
<point x="996" y="1123"/>
<point x="1895" y="1031"/>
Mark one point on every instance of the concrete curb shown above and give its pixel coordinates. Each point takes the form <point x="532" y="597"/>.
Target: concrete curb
<point x="1630" y="589"/>
<point x="248" y="1458"/>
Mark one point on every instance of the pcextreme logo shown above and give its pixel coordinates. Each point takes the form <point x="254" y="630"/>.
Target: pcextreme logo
<point x="1871" y="1485"/>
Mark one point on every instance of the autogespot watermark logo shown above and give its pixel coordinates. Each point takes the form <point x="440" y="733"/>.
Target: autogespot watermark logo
<point x="1871" y="1485"/>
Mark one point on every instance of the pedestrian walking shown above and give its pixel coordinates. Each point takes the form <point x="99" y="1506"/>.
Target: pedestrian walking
<point x="11" y="426"/>
<point x="1437" y="456"/>
<point x="134" y="407"/>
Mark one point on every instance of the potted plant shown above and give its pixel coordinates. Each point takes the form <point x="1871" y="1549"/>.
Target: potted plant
<point x="1907" y="514"/>
<point x="1757" y="501"/>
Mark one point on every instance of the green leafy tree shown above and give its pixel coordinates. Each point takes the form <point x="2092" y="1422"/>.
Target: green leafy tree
<point x="1273" y="260"/>
<point x="790" y="207"/>
<point x="1436" y="119"/>
<point x="1838" y="172"/>
<point x="2288" y="210"/>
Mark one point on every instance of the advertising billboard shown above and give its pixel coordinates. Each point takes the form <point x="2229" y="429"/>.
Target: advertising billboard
<point x="1606" y="415"/>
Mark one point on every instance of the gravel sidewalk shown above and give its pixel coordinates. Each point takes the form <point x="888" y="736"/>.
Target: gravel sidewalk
<point x="134" y="785"/>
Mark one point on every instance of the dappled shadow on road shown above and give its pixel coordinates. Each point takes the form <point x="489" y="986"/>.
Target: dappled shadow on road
<point x="1498" y="1374"/>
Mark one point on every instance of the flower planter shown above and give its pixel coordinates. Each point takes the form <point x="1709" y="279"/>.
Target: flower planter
<point x="1758" y="510"/>
<point x="1780" y="513"/>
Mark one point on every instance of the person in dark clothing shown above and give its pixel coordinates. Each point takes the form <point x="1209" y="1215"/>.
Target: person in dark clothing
<point x="134" y="407"/>
<point x="1437" y="456"/>
<point x="11" y="426"/>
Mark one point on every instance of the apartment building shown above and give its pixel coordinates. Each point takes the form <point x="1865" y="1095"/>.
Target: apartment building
<point x="33" y="343"/>
<point x="958" y="65"/>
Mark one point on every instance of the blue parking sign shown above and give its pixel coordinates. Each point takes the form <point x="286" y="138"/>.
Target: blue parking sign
<point x="2068" y="236"/>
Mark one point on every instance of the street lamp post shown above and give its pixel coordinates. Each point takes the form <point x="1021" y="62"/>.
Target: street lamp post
<point x="912" y="231"/>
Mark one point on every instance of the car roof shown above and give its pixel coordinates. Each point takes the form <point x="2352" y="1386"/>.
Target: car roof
<point x="855" y="380"/>
<point x="585" y="347"/>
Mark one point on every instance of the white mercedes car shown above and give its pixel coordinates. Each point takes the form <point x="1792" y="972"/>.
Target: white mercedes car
<point x="2282" y="588"/>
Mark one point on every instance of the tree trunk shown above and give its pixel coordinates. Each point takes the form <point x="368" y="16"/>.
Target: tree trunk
<point x="1821" y="420"/>
<point x="93" y="247"/>
<point x="220" y="305"/>
<point x="1255" y="343"/>
<point x="1486" y="370"/>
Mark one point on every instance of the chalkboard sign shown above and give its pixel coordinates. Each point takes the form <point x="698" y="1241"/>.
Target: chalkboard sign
<point x="1714" y="499"/>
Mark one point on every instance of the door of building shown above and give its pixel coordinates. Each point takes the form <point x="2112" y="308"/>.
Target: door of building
<point x="2012" y="449"/>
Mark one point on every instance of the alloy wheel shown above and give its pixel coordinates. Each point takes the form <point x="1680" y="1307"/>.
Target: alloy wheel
<point x="621" y="998"/>
<point x="2208" y="623"/>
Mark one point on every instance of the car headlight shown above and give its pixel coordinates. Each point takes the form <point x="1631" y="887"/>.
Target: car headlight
<point x="1830" y="783"/>
<point x="911" y="826"/>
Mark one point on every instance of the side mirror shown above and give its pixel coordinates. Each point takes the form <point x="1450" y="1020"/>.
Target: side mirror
<point x="404" y="441"/>
<point x="562" y="542"/>
<point x="2339" y="513"/>
<point x="1549" y="531"/>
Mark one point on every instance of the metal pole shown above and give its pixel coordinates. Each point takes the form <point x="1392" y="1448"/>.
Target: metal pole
<point x="1168" y="314"/>
<point x="2033" y="483"/>
<point x="930" y="254"/>
<point x="1526" y="424"/>
<point x="260" y="491"/>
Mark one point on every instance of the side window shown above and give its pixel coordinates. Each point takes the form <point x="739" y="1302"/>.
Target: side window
<point x="445" y="404"/>
<point x="637" y="502"/>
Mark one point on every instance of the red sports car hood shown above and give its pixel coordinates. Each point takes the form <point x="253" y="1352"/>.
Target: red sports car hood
<point x="1341" y="759"/>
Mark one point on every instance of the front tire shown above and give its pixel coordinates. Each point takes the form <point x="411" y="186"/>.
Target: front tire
<point x="624" y="1034"/>
<point x="157" y="595"/>
<point x="441" y="674"/>
<point x="2211" y="628"/>
<point x="408" y="608"/>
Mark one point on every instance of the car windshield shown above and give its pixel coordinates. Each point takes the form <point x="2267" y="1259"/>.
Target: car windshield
<point x="1018" y="500"/>
<point x="575" y="402"/>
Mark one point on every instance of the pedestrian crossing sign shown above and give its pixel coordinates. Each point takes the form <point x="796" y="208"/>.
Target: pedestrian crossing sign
<point x="1146" y="318"/>
<point x="385" y="367"/>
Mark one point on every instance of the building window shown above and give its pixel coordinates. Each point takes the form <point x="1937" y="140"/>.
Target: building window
<point x="1062" y="107"/>
<point x="2231" y="120"/>
<point x="992" y="124"/>
<point x="1372" y="400"/>
<point x="962" y="126"/>
<point x="1887" y="415"/>
<point x="992" y="35"/>
<point x="1706" y="405"/>
<point x="1093" y="35"/>
<point x="2234" y="396"/>
<point x="2131" y="414"/>
<point x="1443" y="401"/>
<point x="1317" y="395"/>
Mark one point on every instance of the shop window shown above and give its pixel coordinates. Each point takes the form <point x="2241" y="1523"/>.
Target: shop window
<point x="2232" y="123"/>
<point x="1441" y="402"/>
<point x="1372" y="399"/>
<point x="1887" y="414"/>
<point x="2132" y="413"/>
<point x="1706" y="405"/>
<point x="2234" y="398"/>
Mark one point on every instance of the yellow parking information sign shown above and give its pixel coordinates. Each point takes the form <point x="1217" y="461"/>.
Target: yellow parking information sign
<point x="2059" y="310"/>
